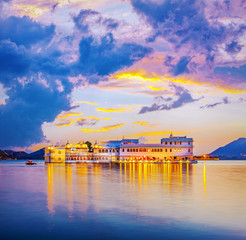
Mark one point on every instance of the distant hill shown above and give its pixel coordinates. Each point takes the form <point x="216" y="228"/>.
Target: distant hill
<point x="37" y="155"/>
<point x="233" y="150"/>
<point x="9" y="154"/>
<point x="16" y="155"/>
<point x="4" y="155"/>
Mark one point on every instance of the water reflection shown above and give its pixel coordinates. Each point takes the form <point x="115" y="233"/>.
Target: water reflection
<point x="90" y="186"/>
<point x="174" y="191"/>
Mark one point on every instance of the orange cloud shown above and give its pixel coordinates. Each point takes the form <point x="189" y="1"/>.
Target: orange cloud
<point x="2" y="102"/>
<point x="90" y="103"/>
<point x="103" y="129"/>
<point x="30" y="10"/>
<point x="156" y="88"/>
<point x="113" y="110"/>
<point x="39" y="7"/>
<point x="140" y="76"/>
<point x="69" y="115"/>
<point x="143" y="123"/>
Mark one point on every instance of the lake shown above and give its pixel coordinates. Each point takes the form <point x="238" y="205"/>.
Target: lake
<point x="123" y="201"/>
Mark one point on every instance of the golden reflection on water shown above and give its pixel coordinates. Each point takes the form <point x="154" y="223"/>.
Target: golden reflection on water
<point x="50" y="189"/>
<point x="204" y="180"/>
<point x="161" y="190"/>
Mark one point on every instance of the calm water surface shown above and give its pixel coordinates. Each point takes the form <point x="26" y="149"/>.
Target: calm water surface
<point x="123" y="201"/>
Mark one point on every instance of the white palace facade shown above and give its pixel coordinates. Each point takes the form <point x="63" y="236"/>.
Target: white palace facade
<point x="172" y="149"/>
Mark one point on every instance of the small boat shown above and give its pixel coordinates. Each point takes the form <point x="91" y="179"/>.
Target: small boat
<point x="30" y="162"/>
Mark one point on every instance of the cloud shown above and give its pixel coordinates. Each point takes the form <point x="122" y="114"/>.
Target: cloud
<point x="242" y="100"/>
<point x="113" y="110"/>
<point x="232" y="72"/>
<point x="105" y="56"/>
<point x="91" y="121"/>
<point x="36" y="71"/>
<point x="14" y="61"/>
<point x="26" y="109"/>
<point x="89" y="103"/>
<point x="181" y="66"/>
<point x="24" y="31"/>
<point x="89" y="19"/>
<point x="145" y="124"/>
<point x="183" y="97"/>
<point x="233" y="47"/>
<point x="142" y="123"/>
<point x="103" y="129"/>
<point x="67" y="115"/>
<point x="65" y="123"/>
<point x="225" y="101"/>
<point x="195" y="29"/>
<point x="185" y="21"/>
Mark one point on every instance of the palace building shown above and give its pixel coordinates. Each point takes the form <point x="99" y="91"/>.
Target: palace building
<point x="172" y="149"/>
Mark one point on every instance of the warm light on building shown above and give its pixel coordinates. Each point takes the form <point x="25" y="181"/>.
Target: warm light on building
<point x="169" y="150"/>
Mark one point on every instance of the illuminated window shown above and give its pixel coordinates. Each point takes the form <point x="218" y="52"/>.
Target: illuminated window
<point x="161" y="150"/>
<point x="189" y="143"/>
<point x="127" y="149"/>
<point x="175" y="143"/>
<point x="136" y="150"/>
<point x="188" y="150"/>
<point x="165" y="150"/>
<point x="170" y="150"/>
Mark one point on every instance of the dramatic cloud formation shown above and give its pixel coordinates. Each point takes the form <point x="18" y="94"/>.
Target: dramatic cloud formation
<point x="116" y="56"/>
<point x="192" y="27"/>
<point x="34" y="72"/>
<point x="12" y="29"/>
<point x="105" y="56"/>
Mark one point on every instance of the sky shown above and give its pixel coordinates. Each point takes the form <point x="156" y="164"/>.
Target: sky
<point x="78" y="70"/>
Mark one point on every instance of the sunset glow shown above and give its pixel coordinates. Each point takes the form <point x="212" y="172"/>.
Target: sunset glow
<point x="68" y="66"/>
